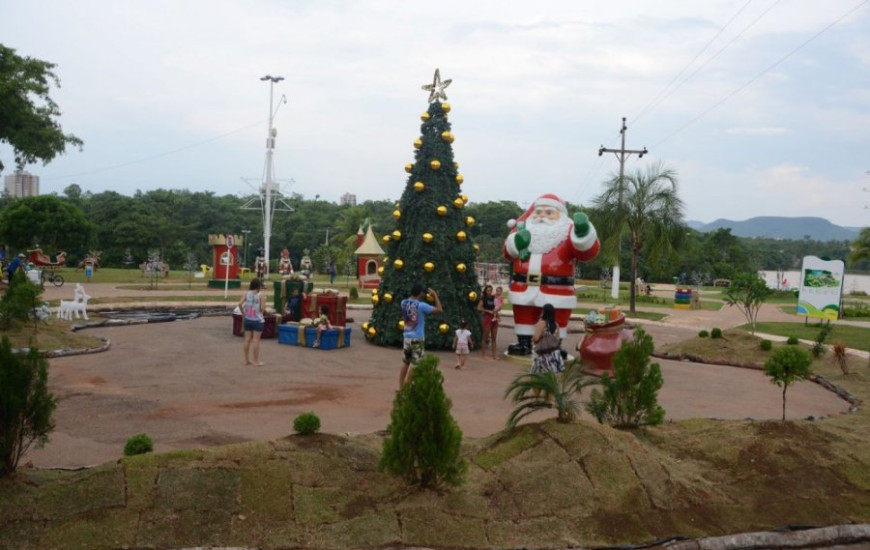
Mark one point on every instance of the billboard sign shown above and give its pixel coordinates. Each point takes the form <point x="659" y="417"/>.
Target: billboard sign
<point x="821" y="287"/>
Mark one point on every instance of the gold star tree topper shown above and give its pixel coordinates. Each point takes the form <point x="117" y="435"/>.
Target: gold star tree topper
<point x="436" y="89"/>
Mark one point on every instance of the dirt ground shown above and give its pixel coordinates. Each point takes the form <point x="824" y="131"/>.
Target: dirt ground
<point x="184" y="384"/>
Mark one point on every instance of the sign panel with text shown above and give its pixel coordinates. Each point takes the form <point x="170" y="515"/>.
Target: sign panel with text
<point x="821" y="287"/>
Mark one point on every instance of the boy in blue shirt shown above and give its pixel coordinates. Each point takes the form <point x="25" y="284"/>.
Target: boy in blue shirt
<point x="414" y="313"/>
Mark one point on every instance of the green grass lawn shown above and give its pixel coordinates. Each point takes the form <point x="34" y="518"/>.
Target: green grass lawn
<point x="852" y="337"/>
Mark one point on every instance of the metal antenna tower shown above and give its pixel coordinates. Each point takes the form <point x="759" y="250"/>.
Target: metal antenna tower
<point x="270" y="198"/>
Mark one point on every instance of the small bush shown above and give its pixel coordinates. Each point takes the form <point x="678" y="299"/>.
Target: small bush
<point x="354" y="293"/>
<point x="716" y="333"/>
<point x="856" y="309"/>
<point x="792" y="341"/>
<point x="139" y="444"/>
<point x="306" y="423"/>
<point x="766" y="345"/>
<point x="703" y="334"/>
<point x="787" y="366"/>
<point x="819" y="343"/>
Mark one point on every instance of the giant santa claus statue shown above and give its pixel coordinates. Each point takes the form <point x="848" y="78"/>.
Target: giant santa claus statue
<point x="542" y="246"/>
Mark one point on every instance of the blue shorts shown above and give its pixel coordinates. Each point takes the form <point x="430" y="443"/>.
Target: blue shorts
<point x="253" y="326"/>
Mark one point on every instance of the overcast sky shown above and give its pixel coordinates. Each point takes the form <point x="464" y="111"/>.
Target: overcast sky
<point x="761" y="106"/>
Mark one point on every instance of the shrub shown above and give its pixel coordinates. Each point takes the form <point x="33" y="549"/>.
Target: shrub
<point x="423" y="441"/>
<point x="26" y="405"/>
<point x="354" y="293"/>
<point x="819" y="343"/>
<point x="630" y="398"/>
<point x="792" y="341"/>
<point x="533" y="392"/>
<point x="856" y="309"/>
<point x="703" y="334"/>
<point x="840" y="356"/>
<point x="306" y="423"/>
<point x="748" y="293"/>
<point x="716" y="333"/>
<point x="139" y="444"/>
<point x="766" y="345"/>
<point x="786" y="366"/>
<point x="19" y="302"/>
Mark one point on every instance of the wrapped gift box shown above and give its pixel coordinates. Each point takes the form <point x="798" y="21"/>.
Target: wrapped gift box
<point x="336" y="303"/>
<point x="270" y="325"/>
<point x="301" y="334"/>
<point x="284" y="288"/>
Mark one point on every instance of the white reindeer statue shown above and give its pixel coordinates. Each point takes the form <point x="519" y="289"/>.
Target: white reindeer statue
<point x="77" y="307"/>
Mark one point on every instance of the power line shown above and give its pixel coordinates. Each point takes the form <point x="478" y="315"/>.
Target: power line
<point x="155" y="156"/>
<point x="760" y="74"/>
<point x="655" y="101"/>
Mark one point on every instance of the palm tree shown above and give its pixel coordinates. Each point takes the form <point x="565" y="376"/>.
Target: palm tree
<point x="646" y="205"/>
<point x="533" y="392"/>
<point x="861" y="247"/>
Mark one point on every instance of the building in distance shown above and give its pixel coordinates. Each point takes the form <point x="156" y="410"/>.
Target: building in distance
<point x="22" y="183"/>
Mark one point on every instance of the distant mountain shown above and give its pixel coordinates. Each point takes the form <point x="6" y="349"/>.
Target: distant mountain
<point x="778" y="227"/>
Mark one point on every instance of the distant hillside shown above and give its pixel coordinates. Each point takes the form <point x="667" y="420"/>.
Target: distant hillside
<point x="778" y="227"/>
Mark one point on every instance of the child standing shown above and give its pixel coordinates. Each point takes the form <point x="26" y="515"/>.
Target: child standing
<point x="499" y="302"/>
<point x="462" y="341"/>
<point x="322" y="324"/>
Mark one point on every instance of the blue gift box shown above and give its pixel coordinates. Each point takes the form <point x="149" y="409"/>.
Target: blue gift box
<point x="296" y="334"/>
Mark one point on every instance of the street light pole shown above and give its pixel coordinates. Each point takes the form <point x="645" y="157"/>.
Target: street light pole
<point x="268" y="185"/>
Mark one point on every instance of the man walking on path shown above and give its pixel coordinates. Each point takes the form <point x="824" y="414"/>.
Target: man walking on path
<point x="414" y="313"/>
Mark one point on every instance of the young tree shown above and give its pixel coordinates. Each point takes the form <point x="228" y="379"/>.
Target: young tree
<point x="786" y="366"/>
<point x="533" y="392"/>
<point x="28" y="116"/>
<point x="748" y="293"/>
<point x="647" y="206"/>
<point x="630" y="398"/>
<point x="19" y="302"/>
<point x="26" y="405"/>
<point x="424" y="441"/>
<point x="431" y="242"/>
<point x="47" y="220"/>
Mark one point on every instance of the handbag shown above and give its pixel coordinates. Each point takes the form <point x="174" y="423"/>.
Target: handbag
<point x="548" y="342"/>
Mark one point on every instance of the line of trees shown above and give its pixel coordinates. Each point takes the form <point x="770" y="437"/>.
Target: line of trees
<point x="176" y="223"/>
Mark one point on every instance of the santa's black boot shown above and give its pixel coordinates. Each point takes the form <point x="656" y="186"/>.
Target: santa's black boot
<point x="523" y="346"/>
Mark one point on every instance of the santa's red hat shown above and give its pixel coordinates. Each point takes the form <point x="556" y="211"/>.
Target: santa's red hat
<point x="547" y="199"/>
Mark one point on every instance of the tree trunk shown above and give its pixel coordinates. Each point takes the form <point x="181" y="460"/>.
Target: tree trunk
<point x="633" y="275"/>
<point x="784" y="387"/>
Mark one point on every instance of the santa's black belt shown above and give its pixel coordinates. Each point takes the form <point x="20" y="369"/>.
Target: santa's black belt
<point x="544" y="280"/>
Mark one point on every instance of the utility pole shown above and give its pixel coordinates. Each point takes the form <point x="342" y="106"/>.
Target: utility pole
<point x="622" y="153"/>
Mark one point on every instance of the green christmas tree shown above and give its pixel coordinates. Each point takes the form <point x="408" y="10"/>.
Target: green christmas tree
<point x="430" y="242"/>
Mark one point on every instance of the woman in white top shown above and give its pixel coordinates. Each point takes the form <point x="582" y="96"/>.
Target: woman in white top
<point x="253" y="304"/>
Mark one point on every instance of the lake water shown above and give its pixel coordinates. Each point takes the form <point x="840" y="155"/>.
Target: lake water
<point x="792" y="278"/>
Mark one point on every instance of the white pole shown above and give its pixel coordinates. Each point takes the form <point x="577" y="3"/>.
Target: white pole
<point x="267" y="203"/>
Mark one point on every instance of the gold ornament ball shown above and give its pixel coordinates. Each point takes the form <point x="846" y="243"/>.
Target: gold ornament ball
<point x="464" y="198"/>
<point x="371" y="332"/>
<point x="459" y="179"/>
<point x="386" y="239"/>
<point x="445" y="107"/>
<point x="398" y="263"/>
<point x="388" y="297"/>
<point x="365" y="326"/>
<point x="409" y="167"/>
<point x="461" y="236"/>
<point x="375" y="299"/>
<point x="443" y="327"/>
<point x="476" y="248"/>
<point x="375" y="290"/>
<point x="429" y="267"/>
<point x="381" y="270"/>
<point x="425" y="116"/>
<point x="419" y="186"/>
<point x="397" y="235"/>
<point x="461" y="268"/>
<point x="435" y="164"/>
<point x="447" y="136"/>
<point x="472" y="296"/>
<point x="456" y="166"/>
<point x="428" y="237"/>
<point x="397" y="214"/>
<point x="401" y="324"/>
<point x="469" y="221"/>
<point x="442" y="210"/>
<point x="418" y="143"/>
<point x="430" y="298"/>
<point x="457" y="202"/>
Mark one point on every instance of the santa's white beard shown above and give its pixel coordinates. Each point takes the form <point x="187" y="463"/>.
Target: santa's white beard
<point x="547" y="235"/>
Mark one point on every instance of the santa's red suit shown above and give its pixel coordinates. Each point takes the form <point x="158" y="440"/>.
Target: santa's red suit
<point x="547" y="276"/>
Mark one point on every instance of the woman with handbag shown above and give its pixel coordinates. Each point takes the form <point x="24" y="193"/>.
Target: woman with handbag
<point x="547" y="350"/>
